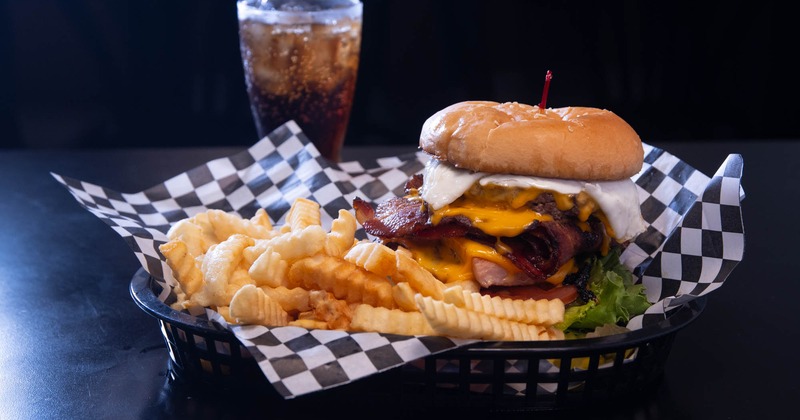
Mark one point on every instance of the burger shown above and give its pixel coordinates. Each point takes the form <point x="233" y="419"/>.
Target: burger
<point x="524" y="202"/>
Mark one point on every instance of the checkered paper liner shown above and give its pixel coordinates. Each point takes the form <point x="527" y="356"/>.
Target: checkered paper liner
<point x="694" y="238"/>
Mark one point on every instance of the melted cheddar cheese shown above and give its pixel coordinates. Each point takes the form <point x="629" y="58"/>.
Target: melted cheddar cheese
<point x="499" y="210"/>
<point x="504" y="211"/>
<point x="617" y="200"/>
<point x="450" y="259"/>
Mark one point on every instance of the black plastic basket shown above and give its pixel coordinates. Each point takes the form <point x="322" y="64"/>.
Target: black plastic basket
<point x="492" y="375"/>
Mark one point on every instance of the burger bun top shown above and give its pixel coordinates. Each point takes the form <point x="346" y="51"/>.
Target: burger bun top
<point x="569" y="143"/>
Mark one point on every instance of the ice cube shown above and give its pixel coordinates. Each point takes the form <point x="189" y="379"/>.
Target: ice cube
<point x="294" y="5"/>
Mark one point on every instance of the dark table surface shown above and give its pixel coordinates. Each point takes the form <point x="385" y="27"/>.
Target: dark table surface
<point x="74" y="344"/>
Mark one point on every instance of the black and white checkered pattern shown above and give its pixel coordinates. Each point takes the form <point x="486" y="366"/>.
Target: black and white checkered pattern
<point x="696" y="233"/>
<point x="271" y="175"/>
<point x="298" y="361"/>
<point x="694" y="238"/>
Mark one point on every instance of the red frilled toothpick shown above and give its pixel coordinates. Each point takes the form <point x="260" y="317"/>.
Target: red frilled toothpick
<point x="547" y="78"/>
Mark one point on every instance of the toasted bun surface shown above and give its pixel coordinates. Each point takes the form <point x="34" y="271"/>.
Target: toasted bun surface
<point x="571" y="143"/>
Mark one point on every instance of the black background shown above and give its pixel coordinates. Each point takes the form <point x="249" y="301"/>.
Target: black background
<point x="91" y="73"/>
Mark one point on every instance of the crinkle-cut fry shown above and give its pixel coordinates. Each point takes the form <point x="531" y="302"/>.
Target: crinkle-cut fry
<point x="342" y="234"/>
<point x="335" y="312"/>
<point x="389" y="321"/>
<point x="291" y="300"/>
<point x="197" y="236"/>
<point x="374" y="257"/>
<point x="252" y="252"/>
<point x="226" y="224"/>
<point x="225" y="311"/>
<point x="408" y="269"/>
<point x="468" y="285"/>
<point x="184" y="266"/>
<point x="403" y="296"/>
<point x="552" y="333"/>
<point x="238" y="278"/>
<point x="309" y="324"/>
<point x="405" y="251"/>
<point x="218" y="265"/>
<point x="275" y="255"/>
<point x="181" y="300"/>
<point x="249" y="254"/>
<point x="450" y="320"/>
<point x="269" y="269"/>
<point x="542" y="312"/>
<point x="261" y="218"/>
<point x="293" y="245"/>
<point x="196" y="231"/>
<point x="250" y="305"/>
<point x="302" y="214"/>
<point x="455" y="295"/>
<point x="342" y="278"/>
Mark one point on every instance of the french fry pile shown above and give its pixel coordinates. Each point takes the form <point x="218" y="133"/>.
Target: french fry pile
<point x="252" y="272"/>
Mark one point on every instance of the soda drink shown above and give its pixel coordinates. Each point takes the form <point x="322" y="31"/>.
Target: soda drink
<point x="300" y="62"/>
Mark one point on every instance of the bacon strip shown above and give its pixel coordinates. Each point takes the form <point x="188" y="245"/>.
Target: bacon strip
<point x="401" y="218"/>
<point x="414" y="183"/>
<point x="538" y="252"/>
<point x="545" y="246"/>
<point x="363" y="210"/>
<point x="397" y="218"/>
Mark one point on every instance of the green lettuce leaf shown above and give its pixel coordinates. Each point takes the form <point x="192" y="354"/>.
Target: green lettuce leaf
<point x="618" y="299"/>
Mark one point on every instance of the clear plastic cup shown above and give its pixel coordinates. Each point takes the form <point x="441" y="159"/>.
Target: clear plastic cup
<point x="300" y="61"/>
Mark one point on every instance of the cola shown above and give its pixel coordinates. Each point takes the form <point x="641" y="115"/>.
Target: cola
<point x="302" y="66"/>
